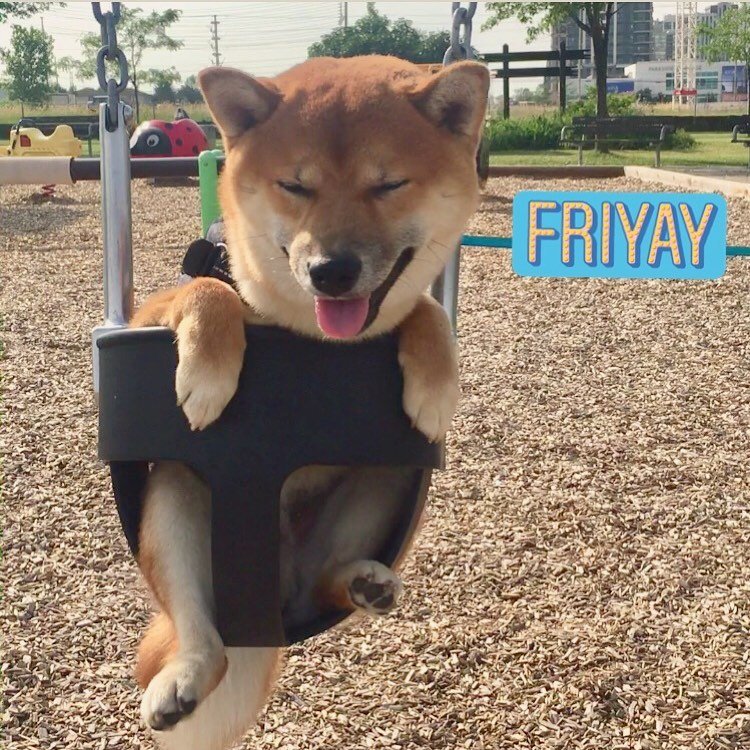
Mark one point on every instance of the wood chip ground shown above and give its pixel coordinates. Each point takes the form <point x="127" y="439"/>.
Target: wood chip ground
<point x="583" y="579"/>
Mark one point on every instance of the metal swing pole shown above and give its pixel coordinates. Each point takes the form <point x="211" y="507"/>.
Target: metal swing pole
<point x="115" y="179"/>
<point x="445" y="288"/>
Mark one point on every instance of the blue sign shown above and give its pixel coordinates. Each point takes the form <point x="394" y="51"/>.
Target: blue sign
<point x="620" y="86"/>
<point x="619" y="235"/>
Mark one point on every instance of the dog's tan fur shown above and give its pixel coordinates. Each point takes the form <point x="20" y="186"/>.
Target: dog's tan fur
<point x="338" y="130"/>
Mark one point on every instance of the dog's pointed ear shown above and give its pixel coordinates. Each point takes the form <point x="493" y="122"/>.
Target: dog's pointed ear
<point x="455" y="98"/>
<point x="237" y="101"/>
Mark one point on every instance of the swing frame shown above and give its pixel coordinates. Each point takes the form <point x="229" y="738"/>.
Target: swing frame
<point x="284" y="393"/>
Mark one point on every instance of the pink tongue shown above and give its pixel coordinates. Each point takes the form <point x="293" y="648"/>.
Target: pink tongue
<point x="341" y="318"/>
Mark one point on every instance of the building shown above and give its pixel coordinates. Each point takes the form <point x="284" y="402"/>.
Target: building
<point x="630" y="38"/>
<point x="663" y="38"/>
<point x="714" y="81"/>
<point x="664" y="30"/>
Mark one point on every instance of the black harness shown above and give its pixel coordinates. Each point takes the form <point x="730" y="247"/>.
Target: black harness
<point x="204" y="258"/>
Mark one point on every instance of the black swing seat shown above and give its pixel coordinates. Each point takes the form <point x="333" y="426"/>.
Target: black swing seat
<point x="300" y="402"/>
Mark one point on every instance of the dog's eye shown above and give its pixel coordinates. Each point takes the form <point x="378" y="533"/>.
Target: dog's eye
<point x="294" y="188"/>
<point x="389" y="187"/>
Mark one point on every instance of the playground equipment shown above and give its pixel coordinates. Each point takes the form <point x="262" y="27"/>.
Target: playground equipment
<point x="181" y="137"/>
<point x="140" y="423"/>
<point x="30" y="141"/>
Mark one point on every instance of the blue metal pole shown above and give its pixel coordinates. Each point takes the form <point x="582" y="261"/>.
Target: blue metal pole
<point x="506" y="243"/>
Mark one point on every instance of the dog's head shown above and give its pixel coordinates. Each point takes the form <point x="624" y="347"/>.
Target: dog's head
<point x="347" y="185"/>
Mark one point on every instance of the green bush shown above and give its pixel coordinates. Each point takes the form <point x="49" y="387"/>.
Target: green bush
<point x="680" y="140"/>
<point x="533" y="133"/>
<point x="542" y="132"/>
<point x="618" y="105"/>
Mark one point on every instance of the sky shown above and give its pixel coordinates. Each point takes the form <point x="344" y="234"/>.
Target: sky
<point x="264" y="38"/>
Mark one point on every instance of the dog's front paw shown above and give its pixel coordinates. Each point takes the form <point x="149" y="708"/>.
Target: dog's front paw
<point x="177" y="689"/>
<point x="210" y="352"/>
<point x="204" y="388"/>
<point x="430" y="405"/>
<point x="204" y="391"/>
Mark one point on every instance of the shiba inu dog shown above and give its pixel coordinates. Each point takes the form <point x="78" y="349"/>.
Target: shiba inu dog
<point x="347" y="185"/>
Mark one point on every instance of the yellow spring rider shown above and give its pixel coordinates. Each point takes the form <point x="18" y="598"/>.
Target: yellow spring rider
<point x="30" y="141"/>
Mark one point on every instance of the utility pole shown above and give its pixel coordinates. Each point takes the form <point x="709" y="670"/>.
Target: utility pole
<point x="344" y="15"/>
<point x="215" y="40"/>
<point x="615" y="18"/>
<point x="580" y="62"/>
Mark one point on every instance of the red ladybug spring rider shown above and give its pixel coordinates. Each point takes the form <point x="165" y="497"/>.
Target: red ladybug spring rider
<point x="183" y="137"/>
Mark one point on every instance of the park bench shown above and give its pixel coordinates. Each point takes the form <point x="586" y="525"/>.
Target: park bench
<point x="741" y="134"/>
<point x="585" y="131"/>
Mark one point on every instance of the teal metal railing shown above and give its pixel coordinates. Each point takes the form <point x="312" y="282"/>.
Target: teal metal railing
<point x="506" y="243"/>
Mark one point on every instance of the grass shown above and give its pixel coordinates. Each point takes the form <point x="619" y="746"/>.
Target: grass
<point x="10" y="112"/>
<point x="711" y="150"/>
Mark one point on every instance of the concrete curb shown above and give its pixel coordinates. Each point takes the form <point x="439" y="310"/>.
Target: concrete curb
<point x="568" y="172"/>
<point x="696" y="182"/>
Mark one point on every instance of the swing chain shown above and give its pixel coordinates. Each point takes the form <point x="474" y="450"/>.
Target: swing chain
<point x="460" y="47"/>
<point x="110" y="51"/>
<point x="445" y="287"/>
<point x="98" y="12"/>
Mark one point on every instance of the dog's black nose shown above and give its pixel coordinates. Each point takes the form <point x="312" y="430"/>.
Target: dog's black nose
<point x="336" y="275"/>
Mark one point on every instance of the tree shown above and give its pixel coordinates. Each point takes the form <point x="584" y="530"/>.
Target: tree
<point x="189" y="93"/>
<point x="376" y="34"/>
<point x="21" y="10"/>
<point x="29" y="66"/>
<point x="163" y="82"/>
<point x="594" y="18"/>
<point x="730" y="40"/>
<point x="539" y="96"/>
<point x="136" y="33"/>
<point x="67" y="65"/>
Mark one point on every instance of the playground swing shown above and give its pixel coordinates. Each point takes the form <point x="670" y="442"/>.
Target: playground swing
<point x="296" y="422"/>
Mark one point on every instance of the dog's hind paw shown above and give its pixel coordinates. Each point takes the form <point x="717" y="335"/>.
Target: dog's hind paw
<point x="175" y="692"/>
<point x="373" y="587"/>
